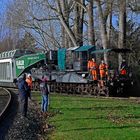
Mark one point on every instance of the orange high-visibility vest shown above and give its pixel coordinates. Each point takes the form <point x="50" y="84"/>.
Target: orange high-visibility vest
<point x="29" y="81"/>
<point x="90" y="64"/>
<point x="103" y="67"/>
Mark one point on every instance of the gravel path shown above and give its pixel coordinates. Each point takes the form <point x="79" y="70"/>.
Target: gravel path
<point x="26" y="128"/>
<point x="15" y="127"/>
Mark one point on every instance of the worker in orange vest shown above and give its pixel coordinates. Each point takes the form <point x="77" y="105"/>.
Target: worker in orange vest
<point x="93" y="68"/>
<point x="103" y="70"/>
<point x="123" y="68"/>
<point x="29" y="82"/>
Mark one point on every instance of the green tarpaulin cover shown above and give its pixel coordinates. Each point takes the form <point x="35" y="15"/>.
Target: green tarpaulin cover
<point x="26" y="61"/>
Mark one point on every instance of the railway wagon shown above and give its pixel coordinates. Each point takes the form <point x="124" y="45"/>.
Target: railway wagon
<point x="7" y="72"/>
<point x="14" y="63"/>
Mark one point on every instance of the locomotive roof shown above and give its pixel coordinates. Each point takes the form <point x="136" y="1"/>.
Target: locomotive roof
<point x="117" y="50"/>
<point x="14" y="53"/>
<point x="72" y="48"/>
<point x="84" y="48"/>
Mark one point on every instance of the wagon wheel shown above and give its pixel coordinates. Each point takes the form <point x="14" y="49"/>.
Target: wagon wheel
<point x="75" y="89"/>
<point x="79" y="89"/>
<point x="107" y="92"/>
<point x="57" y="89"/>
<point x="69" y="88"/>
<point x="85" y="88"/>
<point x="89" y="89"/>
<point x="96" y="91"/>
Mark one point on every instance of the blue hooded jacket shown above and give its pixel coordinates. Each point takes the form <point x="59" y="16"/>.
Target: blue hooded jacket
<point x="23" y="87"/>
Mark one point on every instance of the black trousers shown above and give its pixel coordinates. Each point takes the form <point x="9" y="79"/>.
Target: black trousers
<point x="23" y="105"/>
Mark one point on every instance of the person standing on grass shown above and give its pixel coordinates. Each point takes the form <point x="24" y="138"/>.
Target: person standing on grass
<point x="23" y="94"/>
<point x="44" y="93"/>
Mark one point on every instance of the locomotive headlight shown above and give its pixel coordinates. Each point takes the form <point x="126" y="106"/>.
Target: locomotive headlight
<point x="122" y="84"/>
<point x="132" y="83"/>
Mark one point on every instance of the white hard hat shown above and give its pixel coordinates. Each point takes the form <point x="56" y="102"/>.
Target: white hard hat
<point x="29" y="75"/>
<point x="83" y="75"/>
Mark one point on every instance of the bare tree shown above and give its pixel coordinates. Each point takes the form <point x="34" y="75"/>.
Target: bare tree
<point x="122" y="27"/>
<point x="102" y="22"/>
<point x="91" y="34"/>
<point x="79" y="17"/>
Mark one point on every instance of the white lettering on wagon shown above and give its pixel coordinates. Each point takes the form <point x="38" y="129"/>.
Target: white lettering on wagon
<point x="20" y="64"/>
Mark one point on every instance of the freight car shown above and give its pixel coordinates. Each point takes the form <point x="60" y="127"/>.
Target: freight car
<point x="14" y="63"/>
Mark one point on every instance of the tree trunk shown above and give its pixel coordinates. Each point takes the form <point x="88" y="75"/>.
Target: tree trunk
<point x="65" y="25"/>
<point x="79" y="16"/>
<point x="91" y="35"/>
<point x="102" y="23"/>
<point x="109" y="21"/>
<point x="65" y="11"/>
<point x="122" y="27"/>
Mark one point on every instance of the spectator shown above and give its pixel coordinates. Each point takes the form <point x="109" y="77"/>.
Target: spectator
<point x="29" y="82"/>
<point x="44" y="92"/>
<point x="23" y="94"/>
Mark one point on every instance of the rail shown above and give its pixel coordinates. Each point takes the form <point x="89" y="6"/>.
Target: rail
<point x="3" y="112"/>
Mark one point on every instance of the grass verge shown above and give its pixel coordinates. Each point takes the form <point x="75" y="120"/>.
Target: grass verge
<point x="84" y="118"/>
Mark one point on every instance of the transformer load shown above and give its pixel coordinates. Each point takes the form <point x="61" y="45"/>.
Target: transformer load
<point x="71" y="77"/>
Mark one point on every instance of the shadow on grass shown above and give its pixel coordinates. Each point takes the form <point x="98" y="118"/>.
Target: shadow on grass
<point x="98" y="108"/>
<point x="101" y="128"/>
<point x="97" y="118"/>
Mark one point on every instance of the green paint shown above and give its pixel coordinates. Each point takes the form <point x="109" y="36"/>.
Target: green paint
<point x="27" y="60"/>
<point x="62" y="59"/>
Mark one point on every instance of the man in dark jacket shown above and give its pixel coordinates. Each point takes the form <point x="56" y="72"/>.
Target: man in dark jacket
<point x="23" y="94"/>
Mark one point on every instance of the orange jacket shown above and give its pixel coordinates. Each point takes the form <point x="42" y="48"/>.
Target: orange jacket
<point x="29" y="82"/>
<point x="92" y="65"/>
<point x="103" y="66"/>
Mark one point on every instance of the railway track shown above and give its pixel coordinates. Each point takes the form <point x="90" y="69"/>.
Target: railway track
<point x="8" y="111"/>
<point x="5" y="100"/>
<point x="13" y="126"/>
